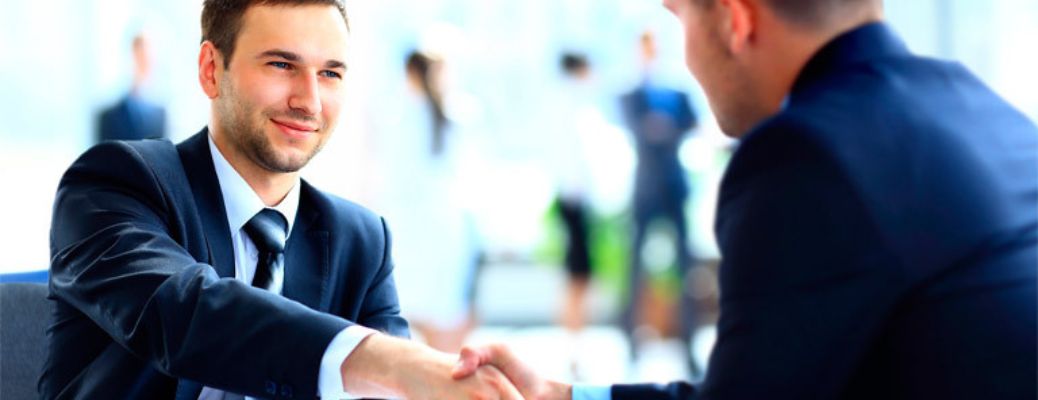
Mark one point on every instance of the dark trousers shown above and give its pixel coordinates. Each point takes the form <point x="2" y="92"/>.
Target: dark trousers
<point x="578" y="254"/>
<point x="673" y="212"/>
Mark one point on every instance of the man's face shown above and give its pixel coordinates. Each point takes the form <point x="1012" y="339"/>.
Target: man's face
<point x="281" y="94"/>
<point x="723" y="79"/>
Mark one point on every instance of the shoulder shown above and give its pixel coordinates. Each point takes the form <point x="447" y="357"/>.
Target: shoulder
<point x="855" y="115"/>
<point x="139" y="169"/>
<point x="785" y="167"/>
<point x="142" y="150"/>
<point x="783" y="141"/>
<point x="110" y="112"/>
<point x="112" y="180"/>
<point x="783" y="152"/>
<point x="124" y="158"/>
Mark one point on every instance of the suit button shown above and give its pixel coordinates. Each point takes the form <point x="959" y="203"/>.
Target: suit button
<point x="286" y="391"/>
<point x="272" y="388"/>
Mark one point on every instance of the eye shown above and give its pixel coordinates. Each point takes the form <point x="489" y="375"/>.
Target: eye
<point x="331" y="74"/>
<point x="280" y="64"/>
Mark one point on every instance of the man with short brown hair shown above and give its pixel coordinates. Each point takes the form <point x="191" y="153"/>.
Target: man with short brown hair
<point x="878" y="223"/>
<point x="209" y="270"/>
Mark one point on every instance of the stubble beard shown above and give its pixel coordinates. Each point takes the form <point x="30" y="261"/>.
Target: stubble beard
<point x="248" y="135"/>
<point x="734" y="101"/>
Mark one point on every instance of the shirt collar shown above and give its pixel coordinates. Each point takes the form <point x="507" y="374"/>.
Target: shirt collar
<point x="240" y="201"/>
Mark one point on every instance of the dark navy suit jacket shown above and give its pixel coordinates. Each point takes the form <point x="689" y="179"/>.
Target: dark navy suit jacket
<point x="879" y="239"/>
<point x="132" y="118"/>
<point x="659" y="119"/>
<point x="145" y="304"/>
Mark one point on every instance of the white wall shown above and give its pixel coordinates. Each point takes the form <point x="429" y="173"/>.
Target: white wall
<point x="62" y="61"/>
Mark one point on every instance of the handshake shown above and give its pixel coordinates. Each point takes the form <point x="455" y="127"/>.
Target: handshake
<point x="384" y="366"/>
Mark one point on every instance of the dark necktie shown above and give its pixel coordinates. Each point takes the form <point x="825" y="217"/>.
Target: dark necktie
<point x="268" y="231"/>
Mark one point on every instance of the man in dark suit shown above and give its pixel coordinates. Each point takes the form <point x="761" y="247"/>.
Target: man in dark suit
<point x="210" y="270"/>
<point x="659" y="119"/>
<point x="133" y="117"/>
<point x="878" y="223"/>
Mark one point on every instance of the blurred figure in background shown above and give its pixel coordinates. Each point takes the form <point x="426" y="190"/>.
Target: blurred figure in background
<point x="570" y="168"/>
<point x="134" y="117"/>
<point x="435" y="252"/>
<point x="877" y="223"/>
<point x="659" y="119"/>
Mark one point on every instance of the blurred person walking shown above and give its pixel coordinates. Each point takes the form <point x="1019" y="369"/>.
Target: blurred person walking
<point x="567" y="150"/>
<point x="435" y="248"/>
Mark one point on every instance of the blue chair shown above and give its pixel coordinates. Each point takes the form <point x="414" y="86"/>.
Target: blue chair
<point x="26" y="312"/>
<point x="25" y="277"/>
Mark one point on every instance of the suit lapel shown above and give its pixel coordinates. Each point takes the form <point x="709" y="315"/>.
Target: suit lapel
<point x="307" y="257"/>
<point x="198" y="164"/>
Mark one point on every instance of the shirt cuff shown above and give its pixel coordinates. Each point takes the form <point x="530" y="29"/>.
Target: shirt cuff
<point x="589" y="392"/>
<point x="329" y="379"/>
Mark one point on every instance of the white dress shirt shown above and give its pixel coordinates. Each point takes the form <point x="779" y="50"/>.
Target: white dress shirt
<point x="241" y="204"/>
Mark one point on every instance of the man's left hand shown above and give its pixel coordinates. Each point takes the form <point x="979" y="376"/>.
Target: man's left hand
<point x="531" y="385"/>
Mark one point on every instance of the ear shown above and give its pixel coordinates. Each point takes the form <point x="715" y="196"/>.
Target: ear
<point x="740" y="19"/>
<point x="210" y="68"/>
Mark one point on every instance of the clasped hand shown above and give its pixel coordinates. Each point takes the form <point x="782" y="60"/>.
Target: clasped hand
<point x="388" y="367"/>
<point x="531" y="386"/>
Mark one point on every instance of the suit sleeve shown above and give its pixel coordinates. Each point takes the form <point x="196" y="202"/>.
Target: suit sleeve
<point x="115" y="259"/>
<point x="381" y="308"/>
<point x="671" y="391"/>
<point x="806" y="280"/>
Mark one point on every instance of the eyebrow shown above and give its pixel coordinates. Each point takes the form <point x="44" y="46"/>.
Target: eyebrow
<point x="290" y="56"/>
<point x="333" y="64"/>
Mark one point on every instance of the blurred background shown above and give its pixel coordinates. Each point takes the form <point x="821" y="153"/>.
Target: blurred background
<point x="548" y="167"/>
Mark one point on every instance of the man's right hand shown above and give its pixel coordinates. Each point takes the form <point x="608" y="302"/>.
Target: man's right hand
<point x="385" y="366"/>
<point x="530" y="384"/>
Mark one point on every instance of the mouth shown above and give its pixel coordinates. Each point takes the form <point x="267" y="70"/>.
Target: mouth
<point x="294" y="129"/>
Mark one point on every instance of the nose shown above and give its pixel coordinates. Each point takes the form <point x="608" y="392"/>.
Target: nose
<point x="306" y="96"/>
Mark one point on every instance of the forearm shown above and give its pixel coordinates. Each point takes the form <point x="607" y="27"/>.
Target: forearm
<point x="379" y="366"/>
<point x="366" y="373"/>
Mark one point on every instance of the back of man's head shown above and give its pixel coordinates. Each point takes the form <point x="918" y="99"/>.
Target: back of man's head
<point x="813" y="14"/>
<point x="222" y="19"/>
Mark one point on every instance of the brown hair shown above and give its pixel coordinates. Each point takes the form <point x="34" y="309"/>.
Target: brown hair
<point x="222" y="19"/>
<point x="424" y="67"/>
<point x="807" y="13"/>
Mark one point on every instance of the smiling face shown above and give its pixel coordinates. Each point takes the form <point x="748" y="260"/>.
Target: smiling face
<point x="279" y="98"/>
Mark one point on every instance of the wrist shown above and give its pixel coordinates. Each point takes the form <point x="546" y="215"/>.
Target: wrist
<point x="558" y="391"/>
<point x="385" y="366"/>
<point x="368" y="371"/>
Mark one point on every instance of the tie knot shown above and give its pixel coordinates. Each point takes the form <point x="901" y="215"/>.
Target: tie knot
<point x="268" y="230"/>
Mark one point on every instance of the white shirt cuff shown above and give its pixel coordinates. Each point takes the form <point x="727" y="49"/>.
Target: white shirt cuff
<point x="589" y="392"/>
<point x="329" y="379"/>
